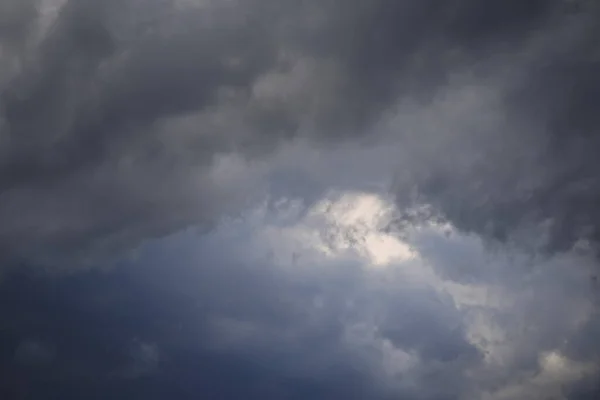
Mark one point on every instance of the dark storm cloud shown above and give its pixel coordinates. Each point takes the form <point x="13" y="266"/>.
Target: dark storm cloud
<point x="118" y="102"/>
<point x="124" y="120"/>
<point x="520" y="157"/>
<point x="17" y="20"/>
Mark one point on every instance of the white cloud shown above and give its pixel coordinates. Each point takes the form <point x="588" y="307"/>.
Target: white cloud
<point x="514" y="308"/>
<point x="555" y="374"/>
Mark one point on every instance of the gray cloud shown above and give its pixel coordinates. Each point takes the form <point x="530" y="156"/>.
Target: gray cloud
<point x="188" y="315"/>
<point x="123" y="121"/>
<point x="262" y="328"/>
<point x="111" y="95"/>
<point x="323" y="325"/>
<point x="510" y="153"/>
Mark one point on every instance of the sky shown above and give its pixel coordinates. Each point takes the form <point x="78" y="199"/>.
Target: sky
<point x="281" y="199"/>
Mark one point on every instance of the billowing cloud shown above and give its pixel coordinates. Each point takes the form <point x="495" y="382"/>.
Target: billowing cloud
<point x="325" y="199"/>
<point x="307" y="305"/>
<point x="109" y="108"/>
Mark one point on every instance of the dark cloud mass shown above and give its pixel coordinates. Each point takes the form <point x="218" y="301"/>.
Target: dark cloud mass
<point x="125" y="122"/>
<point x="113" y="92"/>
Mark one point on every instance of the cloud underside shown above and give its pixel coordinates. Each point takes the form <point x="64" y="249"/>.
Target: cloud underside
<point x="430" y="176"/>
<point x="116" y="116"/>
<point x="319" y="301"/>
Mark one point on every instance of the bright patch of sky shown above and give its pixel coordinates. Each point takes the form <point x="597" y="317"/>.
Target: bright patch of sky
<point x="508" y="307"/>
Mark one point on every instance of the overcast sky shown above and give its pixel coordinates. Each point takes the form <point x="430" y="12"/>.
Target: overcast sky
<point x="282" y="199"/>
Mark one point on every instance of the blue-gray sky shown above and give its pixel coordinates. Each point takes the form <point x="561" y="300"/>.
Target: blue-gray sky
<point x="392" y="199"/>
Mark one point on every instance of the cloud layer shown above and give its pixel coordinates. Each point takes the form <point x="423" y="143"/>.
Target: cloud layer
<point x="305" y="305"/>
<point x="327" y="198"/>
<point x="105" y="106"/>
